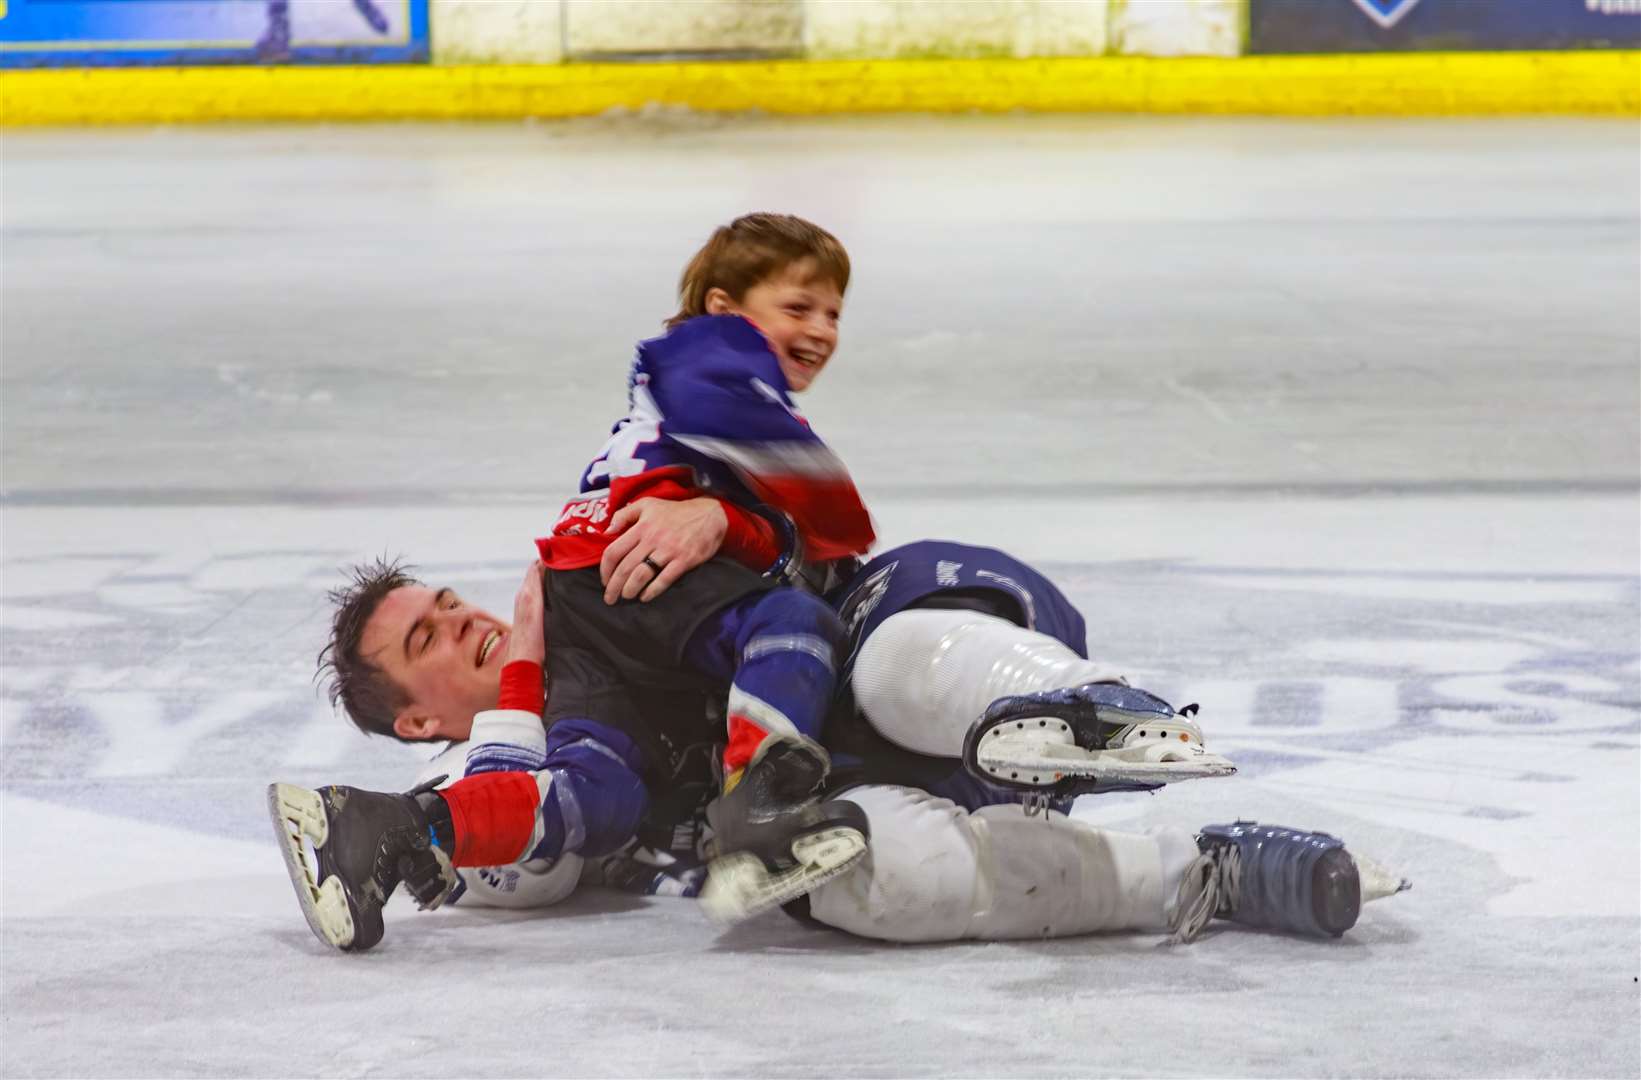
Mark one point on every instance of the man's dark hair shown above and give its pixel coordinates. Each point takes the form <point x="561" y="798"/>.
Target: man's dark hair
<point x="363" y="690"/>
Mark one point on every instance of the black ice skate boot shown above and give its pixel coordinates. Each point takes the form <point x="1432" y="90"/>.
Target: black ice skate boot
<point x="1274" y="878"/>
<point x="772" y="840"/>
<point x="1084" y="739"/>
<point x="367" y="842"/>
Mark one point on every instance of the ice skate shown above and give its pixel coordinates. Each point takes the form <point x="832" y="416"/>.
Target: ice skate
<point x="1097" y="737"/>
<point x="1274" y="878"/>
<point x="773" y="841"/>
<point x="366" y="842"/>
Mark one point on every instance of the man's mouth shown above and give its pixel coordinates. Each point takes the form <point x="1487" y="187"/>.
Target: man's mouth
<point x="491" y="640"/>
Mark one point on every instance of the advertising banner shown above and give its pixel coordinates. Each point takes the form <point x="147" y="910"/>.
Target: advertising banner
<point x="79" y="33"/>
<point x="1327" y="26"/>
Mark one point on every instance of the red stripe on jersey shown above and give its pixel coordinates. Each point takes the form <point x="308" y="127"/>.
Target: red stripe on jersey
<point x="493" y="816"/>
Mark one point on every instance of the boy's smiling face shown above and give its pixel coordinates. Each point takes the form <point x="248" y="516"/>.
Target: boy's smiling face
<point x="798" y="312"/>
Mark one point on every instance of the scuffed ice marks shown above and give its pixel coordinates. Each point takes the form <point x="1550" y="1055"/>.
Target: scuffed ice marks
<point x="117" y="674"/>
<point x="118" y="667"/>
<point x="1352" y="662"/>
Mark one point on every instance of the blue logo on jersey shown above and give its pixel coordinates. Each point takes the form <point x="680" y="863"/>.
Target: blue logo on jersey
<point x="865" y="597"/>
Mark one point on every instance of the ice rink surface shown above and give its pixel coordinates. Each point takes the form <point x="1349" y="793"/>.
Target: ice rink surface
<point x="1332" y="427"/>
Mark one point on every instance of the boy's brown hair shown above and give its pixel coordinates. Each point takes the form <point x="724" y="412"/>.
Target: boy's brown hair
<point x="754" y="248"/>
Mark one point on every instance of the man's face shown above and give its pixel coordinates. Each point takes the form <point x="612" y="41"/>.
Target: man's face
<point x="798" y="312"/>
<point x="445" y="654"/>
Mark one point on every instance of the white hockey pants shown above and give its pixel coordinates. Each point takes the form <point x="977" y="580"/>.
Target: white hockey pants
<point x="936" y="872"/>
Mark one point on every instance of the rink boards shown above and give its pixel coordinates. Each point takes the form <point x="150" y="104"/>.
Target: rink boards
<point x="1417" y="84"/>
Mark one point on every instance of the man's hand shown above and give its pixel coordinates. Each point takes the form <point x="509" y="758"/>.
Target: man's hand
<point x="528" y="641"/>
<point x="658" y="541"/>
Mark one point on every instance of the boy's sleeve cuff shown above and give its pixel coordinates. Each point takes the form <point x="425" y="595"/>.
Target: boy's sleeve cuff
<point x="750" y="539"/>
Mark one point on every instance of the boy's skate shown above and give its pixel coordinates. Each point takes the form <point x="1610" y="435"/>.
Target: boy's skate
<point x="772" y="840"/>
<point x="1277" y="879"/>
<point x="366" y="842"/>
<point x="1097" y="737"/>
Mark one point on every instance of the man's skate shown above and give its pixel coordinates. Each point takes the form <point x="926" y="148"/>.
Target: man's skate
<point x="366" y="843"/>
<point x="772" y="840"/>
<point x="1098" y="737"/>
<point x="1277" y="879"/>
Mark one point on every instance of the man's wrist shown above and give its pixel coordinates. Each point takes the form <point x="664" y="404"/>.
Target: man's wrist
<point x="523" y="686"/>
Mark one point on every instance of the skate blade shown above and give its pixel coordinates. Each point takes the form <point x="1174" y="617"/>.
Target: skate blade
<point x="1047" y="763"/>
<point x="299" y="814"/>
<point x="739" y="886"/>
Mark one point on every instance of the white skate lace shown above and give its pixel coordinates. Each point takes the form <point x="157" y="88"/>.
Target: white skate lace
<point x="1212" y="880"/>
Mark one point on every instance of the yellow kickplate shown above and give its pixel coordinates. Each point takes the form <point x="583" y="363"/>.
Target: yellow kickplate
<point x="1405" y="84"/>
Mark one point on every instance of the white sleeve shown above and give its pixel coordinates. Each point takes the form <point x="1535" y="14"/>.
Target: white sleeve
<point x="505" y="740"/>
<point x="537" y="883"/>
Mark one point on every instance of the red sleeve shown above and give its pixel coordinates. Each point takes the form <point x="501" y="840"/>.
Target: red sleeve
<point x="522" y="687"/>
<point x="750" y="539"/>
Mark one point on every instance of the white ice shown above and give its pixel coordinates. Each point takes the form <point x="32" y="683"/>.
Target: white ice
<point x="1334" y="427"/>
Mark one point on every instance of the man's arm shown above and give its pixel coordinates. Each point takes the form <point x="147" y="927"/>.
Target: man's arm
<point x="532" y="884"/>
<point x="586" y="799"/>
<point x="679" y="533"/>
<point x="529" y="798"/>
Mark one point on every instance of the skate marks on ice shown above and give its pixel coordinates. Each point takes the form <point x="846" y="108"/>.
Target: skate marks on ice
<point x="126" y="667"/>
<point x="1500" y="714"/>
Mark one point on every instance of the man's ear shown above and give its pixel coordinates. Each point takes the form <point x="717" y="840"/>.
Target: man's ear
<point x="415" y="724"/>
<point x="718" y="302"/>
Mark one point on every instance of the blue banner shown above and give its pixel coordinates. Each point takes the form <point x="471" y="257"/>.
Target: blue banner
<point x="79" y="33"/>
<point x="1329" y="26"/>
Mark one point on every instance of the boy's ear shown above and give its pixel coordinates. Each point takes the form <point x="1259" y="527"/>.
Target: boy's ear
<point x="718" y="302"/>
<point x="416" y="724"/>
